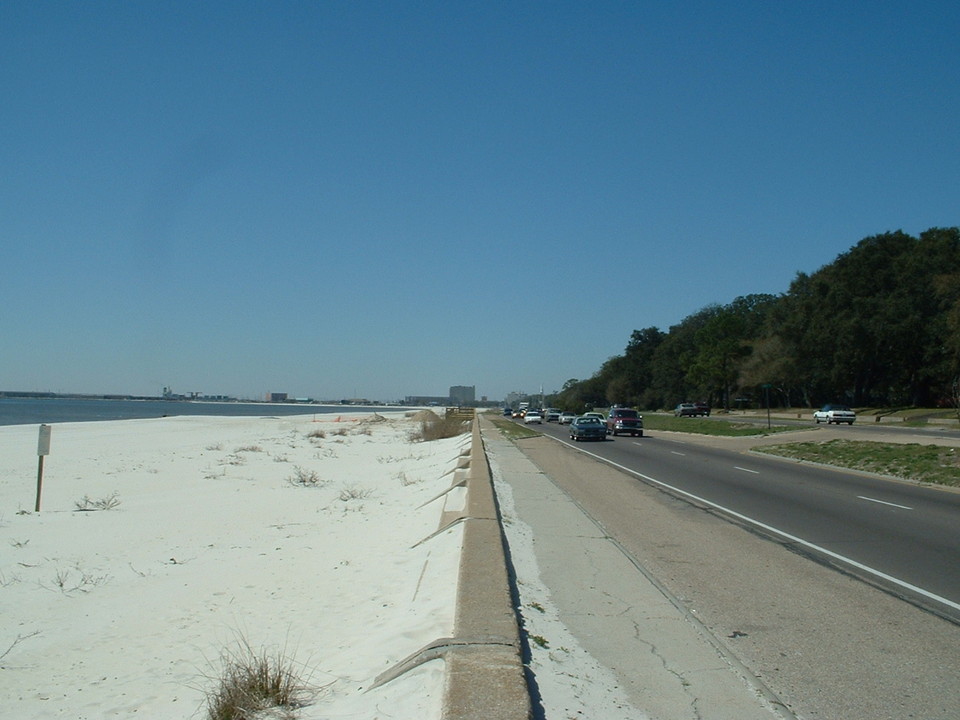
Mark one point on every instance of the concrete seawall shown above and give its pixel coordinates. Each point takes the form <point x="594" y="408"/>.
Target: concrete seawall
<point x="485" y="677"/>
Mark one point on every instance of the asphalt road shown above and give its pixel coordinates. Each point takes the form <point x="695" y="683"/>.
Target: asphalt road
<point x="902" y="536"/>
<point x="829" y="645"/>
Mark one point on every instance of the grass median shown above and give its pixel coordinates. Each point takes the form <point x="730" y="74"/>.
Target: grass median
<point x="512" y="430"/>
<point x="936" y="464"/>
<point x="708" y="426"/>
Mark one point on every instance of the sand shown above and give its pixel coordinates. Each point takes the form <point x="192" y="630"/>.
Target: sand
<point x="165" y="547"/>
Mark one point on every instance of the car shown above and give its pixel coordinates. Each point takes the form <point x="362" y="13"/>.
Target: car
<point x="518" y="413"/>
<point x="566" y="417"/>
<point x="508" y="412"/>
<point x="598" y="416"/>
<point x="552" y="415"/>
<point x="626" y="421"/>
<point x="587" y="427"/>
<point x="692" y="410"/>
<point x="835" y="413"/>
<point x="533" y="416"/>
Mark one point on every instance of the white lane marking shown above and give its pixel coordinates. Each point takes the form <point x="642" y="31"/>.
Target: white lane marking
<point x="882" y="502"/>
<point x="755" y="472"/>
<point x="769" y="528"/>
<point x="674" y="452"/>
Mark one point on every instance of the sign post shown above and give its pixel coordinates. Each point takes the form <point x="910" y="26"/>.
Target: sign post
<point x="43" y="449"/>
<point x="766" y="392"/>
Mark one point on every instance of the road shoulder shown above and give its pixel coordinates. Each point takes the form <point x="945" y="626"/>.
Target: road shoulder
<point x="663" y="660"/>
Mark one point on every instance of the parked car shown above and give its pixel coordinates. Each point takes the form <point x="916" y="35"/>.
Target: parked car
<point x="587" y="427"/>
<point x="692" y="410"/>
<point x="834" y="413"/>
<point x="553" y="415"/>
<point x="533" y="416"/>
<point x="566" y="417"/>
<point x="624" y="420"/>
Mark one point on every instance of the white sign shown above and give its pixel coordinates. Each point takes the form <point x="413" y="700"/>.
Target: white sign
<point x="43" y="446"/>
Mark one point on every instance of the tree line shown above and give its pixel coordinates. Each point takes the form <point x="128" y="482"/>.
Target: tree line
<point x="878" y="327"/>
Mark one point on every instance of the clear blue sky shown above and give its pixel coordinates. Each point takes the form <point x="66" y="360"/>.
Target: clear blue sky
<point x="337" y="199"/>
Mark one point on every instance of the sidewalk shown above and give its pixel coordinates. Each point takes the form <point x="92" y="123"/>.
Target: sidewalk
<point x="656" y="655"/>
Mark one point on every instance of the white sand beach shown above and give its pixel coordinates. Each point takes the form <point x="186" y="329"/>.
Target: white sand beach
<point x="165" y="546"/>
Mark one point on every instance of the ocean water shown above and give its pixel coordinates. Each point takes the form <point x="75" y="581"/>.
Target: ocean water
<point x="29" y="411"/>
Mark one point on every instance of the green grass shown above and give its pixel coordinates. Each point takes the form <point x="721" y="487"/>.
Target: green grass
<point x="924" y="463"/>
<point x="706" y="426"/>
<point x="512" y="430"/>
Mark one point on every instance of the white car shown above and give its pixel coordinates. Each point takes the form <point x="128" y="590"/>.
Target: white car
<point x="532" y="416"/>
<point x="598" y="416"/>
<point x="835" y="414"/>
<point x="566" y="418"/>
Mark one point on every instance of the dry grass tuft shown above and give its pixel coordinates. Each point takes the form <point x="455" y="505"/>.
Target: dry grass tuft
<point x="85" y="504"/>
<point x="256" y="684"/>
<point x="354" y="493"/>
<point x="439" y="429"/>
<point x="305" y="478"/>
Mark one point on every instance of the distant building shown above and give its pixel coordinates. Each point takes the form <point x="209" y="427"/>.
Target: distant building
<point x="426" y="400"/>
<point x="276" y="397"/>
<point x="463" y="394"/>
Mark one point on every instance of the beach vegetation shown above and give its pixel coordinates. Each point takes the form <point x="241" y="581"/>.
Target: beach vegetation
<point x="257" y="684"/>
<point x="439" y="428"/>
<point x="249" y="448"/>
<point x="16" y="641"/>
<point x="66" y="582"/>
<point x="215" y="447"/>
<point x="406" y="481"/>
<point x="317" y="434"/>
<point x="306" y="478"/>
<point x="354" y="493"/>
<point x="86" y="504"/>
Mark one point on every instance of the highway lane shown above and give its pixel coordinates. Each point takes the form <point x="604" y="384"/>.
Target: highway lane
<point x="900" y="536"/>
